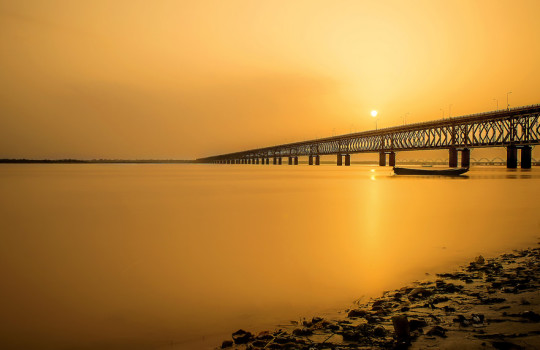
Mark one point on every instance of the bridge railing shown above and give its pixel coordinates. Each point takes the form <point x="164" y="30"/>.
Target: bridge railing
<point x="450" y="131"/>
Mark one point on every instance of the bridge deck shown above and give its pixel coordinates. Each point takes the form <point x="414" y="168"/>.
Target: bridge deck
<point x="515" y="126"/>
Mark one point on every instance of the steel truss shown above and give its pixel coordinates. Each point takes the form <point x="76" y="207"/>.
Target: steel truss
<point x="516" y="126"/>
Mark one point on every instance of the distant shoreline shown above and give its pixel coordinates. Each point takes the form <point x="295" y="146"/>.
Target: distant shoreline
<point x="95" y="161"/>
<point x="194" y="161"/>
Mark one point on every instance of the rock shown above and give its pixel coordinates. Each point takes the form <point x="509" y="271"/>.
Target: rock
<point x="488" y="301"/>
<point x="264" y="335"/>
<point x="357" y="313"/>
<point x="477" y="318"/>
<point x="316" y="320"/>
<point x="439" y="299"/>
<point x="401" y="327"/>
<point x="226" y="344"/>
<point x="420" y="293"/>
<point x="379" y="331"/>
<point x="283" y="339"/>
<point x="531" y="315"/>
<point x="437" y="331"/>
<point x="415" y="324"/>
<point x="462" y="321"/>
<point x="300" y="332"/>
<point x="259" y="343"/>
<point x="332" y="327"/>
<point x="479" y="260"/>
<point x="241" y="336"/>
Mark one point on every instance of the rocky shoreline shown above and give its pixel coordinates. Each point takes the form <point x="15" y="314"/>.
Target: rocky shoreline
<point x="489" y="304"/>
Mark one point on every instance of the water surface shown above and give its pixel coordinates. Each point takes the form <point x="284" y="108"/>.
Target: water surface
<point x="179" y="256"/>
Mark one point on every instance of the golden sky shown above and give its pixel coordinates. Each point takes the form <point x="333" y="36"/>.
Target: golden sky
<point x="186" y="79"/>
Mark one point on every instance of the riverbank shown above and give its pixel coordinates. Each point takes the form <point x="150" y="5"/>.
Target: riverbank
<point x="491" y="303"/>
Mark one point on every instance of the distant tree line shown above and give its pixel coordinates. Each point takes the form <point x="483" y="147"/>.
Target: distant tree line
<point x="72" y="161"/>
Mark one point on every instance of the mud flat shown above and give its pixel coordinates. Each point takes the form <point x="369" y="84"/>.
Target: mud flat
<point x="492" y="303"/>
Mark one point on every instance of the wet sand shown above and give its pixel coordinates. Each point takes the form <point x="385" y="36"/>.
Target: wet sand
<point x="492" y="303"/>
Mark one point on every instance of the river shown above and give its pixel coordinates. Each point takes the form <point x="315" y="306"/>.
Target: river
<point x="178" y="256"/>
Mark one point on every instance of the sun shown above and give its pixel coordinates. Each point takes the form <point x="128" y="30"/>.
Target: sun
<point x="374" y="113"/>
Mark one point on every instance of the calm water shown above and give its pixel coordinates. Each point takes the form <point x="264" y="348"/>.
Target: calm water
<point x="180" y="256"/>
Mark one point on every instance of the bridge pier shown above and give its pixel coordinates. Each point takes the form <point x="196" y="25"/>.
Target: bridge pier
<point x="310" y="160"/>
<point x="382" y="158"/>
<point x="465" y="158"/>
<point x="339" y="160"/>
<point x="453" y="157"/>
<point x="274" y="161"/>
<point x="257" y="160"/>
<point x="267" y="161"/>
<point x="317" y="160"/>
<point x="392" y="158"/>
<point x="296" y="160"/>
<point x="526" y="157"/>
<point x="290" y="160"/>
<point x="347" y="160"/>
<point x="511" y="157"/>
<point x="279" y="160"/>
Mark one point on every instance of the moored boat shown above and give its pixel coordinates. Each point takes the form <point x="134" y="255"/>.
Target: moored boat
<point x="418" y="171"/>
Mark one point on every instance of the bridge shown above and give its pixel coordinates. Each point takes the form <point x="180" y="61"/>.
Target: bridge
<point x="514" y="128"/>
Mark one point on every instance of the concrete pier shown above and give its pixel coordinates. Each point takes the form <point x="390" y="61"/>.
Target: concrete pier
<point x="526" y="157"/>
<point x="317" y="160"/>
<point x="296" y="160"/>
<point x="290" y="160"/>
<point x="511" y="157"/>
<point x="339" y="160"/>
<point x="310" y="160"/>
<point x="279" y="160"/>
<point x="465" y="158"/>
<point x="267" y="161"/>
<point x="274" y="161"/>
<point x="392" y="158"/>
<point x="382" y="159"/>
<point x="347" y="160"/>
<point x="452" y="157"/>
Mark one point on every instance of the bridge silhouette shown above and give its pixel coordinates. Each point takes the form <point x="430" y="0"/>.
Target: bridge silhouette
<point x="515" y="128"/>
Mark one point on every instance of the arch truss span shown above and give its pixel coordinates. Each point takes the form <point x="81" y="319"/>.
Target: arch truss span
<point x="518" y="126"/>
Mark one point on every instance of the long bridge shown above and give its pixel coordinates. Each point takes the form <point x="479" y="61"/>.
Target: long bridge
<point x="514" y="128"/>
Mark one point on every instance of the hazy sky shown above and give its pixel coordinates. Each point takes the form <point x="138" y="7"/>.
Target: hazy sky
<point x="186" y="79"/>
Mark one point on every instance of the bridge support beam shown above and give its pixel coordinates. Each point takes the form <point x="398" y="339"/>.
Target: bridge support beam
<point x="526" y="157"/>
<point x="347" y="160"/>
<point x="279" y="160"/>
<point x="256" y="160"/>
<point x="310" y="161"/>
<point x="511" y="157"/>
<point x="296" y="160"/>
<point x="317" y="160"/>
<point x="339" y="160"/>
<point x="382" y="159"/>
<point x="274" y="161"/>
<point x="290" y="160"/>
<point x="452" y="157"/>
<point x="465" y="158"/>
<point x="392" y="158"/>
<point x="267" y="161"/>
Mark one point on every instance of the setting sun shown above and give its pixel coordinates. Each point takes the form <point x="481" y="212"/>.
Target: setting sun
<point x="373" y="114"/>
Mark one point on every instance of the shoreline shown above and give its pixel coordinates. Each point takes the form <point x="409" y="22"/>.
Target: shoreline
<point x="491" y="303"/>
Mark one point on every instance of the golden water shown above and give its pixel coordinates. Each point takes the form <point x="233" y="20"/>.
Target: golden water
<point x="180" y="256"/>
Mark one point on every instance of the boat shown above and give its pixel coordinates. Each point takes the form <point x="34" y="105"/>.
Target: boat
<point x="418" y="171"/>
